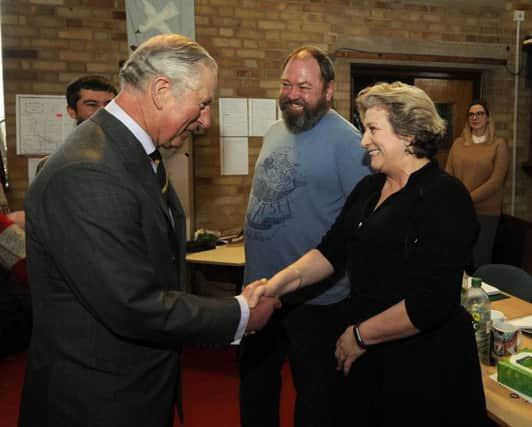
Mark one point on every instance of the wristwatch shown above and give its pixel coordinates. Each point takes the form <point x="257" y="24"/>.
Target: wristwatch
<point x="358" y="337"/>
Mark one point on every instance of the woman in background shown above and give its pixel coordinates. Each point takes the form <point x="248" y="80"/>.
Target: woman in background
<point x="408" y="351"/>
<point x="479" y="159"/>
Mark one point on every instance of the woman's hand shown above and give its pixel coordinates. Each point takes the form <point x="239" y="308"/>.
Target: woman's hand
<point x="347" y="350"/>
<point x="253" y="291"/>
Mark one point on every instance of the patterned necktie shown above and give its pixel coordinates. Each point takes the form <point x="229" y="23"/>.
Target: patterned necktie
<point x="160" y="171"/>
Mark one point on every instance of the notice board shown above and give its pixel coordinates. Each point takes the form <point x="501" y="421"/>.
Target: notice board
<point x="42" y="123"/>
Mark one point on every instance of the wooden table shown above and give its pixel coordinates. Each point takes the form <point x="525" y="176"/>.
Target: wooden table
<point x="501" y="403"/>
<point x="224" y="264"/>
<point x="231" y="254"/>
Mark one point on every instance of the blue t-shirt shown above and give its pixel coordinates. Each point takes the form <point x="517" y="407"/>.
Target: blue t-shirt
<point x="300" y="185"/>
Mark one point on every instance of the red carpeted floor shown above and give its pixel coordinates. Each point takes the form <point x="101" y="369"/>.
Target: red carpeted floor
<point x="210" y="383"/>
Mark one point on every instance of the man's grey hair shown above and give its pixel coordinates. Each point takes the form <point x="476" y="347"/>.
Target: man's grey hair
<point x="171" y="55"/>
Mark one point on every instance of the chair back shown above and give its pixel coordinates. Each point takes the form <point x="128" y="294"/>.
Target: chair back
<point x="507" y="278"/>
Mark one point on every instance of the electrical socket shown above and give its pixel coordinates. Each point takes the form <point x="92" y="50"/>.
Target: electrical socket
<point x="519" y="15"/>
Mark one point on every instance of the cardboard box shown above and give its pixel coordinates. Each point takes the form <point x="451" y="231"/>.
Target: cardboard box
<point x="515" y="371"/>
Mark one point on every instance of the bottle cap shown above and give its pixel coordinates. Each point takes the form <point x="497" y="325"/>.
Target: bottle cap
<point x="476" y="282"/>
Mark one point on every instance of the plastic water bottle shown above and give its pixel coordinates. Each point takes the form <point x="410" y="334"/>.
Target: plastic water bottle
<point x="477" y="303"/>
<point x="465" y="286"/>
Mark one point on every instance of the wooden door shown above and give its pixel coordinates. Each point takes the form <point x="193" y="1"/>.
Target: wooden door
<point x="452" y="97"/>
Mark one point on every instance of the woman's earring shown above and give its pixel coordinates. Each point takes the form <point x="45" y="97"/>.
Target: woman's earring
<point x="409" y="149"/>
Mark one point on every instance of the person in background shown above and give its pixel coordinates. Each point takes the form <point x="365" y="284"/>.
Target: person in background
<point x="105" y="240"/>
<point x="480" y="159"/>
<point x="88" y="94"/>
<point x="85" y="96"/>
<point x="409" y="343"/>
<point x="308" y="164"/>
<point x="15" y="301"/>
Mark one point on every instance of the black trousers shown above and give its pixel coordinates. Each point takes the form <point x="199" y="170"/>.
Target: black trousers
<point x="483" y="250"/>
<point x="307" y="335"/>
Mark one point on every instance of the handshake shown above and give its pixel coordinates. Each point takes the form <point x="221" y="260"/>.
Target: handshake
<point x="261" y="304"/>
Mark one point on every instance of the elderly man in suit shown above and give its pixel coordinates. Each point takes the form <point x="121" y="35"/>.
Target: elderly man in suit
<point x="106" y="248"/>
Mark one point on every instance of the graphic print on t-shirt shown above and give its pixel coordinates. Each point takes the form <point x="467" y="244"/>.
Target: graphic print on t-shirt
<point x="269" y="206"/>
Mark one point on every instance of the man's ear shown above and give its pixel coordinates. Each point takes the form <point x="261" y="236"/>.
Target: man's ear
<point x="160" y="89"/>
<point x="72" y="113"/>
<point x="329" y="92"/>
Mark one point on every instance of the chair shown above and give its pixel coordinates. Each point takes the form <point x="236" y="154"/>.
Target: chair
<point x="507" y="278"/>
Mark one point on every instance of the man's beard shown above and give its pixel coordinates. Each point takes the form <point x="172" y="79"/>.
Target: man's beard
<point x="300" y="121"/>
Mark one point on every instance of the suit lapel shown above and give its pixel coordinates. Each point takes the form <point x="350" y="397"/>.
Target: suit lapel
<point x="134" y="159"/>
<point x="140" y="168"/>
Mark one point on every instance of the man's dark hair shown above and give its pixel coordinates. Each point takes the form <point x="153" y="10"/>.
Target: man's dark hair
<point x="98" y="83"/>
<point x="324" y="61"/>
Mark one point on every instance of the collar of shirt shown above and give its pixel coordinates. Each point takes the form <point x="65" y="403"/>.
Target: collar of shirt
<point x="117" y="111"/>
<point x="479" y="139"/>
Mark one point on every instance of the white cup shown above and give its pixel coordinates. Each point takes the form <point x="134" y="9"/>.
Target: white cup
<point x="497" y="316"/>
<point x="505" y="338"/>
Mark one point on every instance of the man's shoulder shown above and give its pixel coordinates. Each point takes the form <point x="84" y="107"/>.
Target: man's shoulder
<point x="276" y="127"/>
<point x="87" y="145"/>
<point x="277" y="136"/>
<point x="339" y="126"/>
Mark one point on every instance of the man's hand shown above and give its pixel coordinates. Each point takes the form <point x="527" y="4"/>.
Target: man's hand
<point x="260" y="314"/>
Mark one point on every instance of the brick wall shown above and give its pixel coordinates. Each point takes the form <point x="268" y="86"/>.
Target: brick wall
<point x="49" y="42"/>
<point x="250" y="39"/>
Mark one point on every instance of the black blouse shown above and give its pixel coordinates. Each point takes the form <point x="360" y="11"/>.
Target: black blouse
<point x="413" y="246"/>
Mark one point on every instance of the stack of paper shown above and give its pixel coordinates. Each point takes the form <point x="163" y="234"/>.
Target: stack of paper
<point x="523" y="323"/>
<point x="490" y="290"/>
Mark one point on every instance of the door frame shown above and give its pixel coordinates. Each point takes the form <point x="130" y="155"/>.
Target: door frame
<point x="407" y="74"/>
<point x="363" y="75"/>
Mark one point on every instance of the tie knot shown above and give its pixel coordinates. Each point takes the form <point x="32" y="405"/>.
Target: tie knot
<point x="159" y="170"/>
<point x="155" y="155"/>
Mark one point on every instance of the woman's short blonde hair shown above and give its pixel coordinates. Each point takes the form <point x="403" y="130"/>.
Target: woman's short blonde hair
<point x="411" y="113"/>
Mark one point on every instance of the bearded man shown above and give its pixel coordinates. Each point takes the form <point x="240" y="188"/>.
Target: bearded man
<point x="308" y="165"/>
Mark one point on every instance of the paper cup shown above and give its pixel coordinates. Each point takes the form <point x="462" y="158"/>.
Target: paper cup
<point x="505" y="339"/>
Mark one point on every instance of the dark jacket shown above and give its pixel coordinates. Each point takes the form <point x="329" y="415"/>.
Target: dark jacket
<point x="106" y="270"/>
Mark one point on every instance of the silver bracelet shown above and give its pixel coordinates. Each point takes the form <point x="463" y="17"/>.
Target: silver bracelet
<point x="358" y="338"/>
<point x="299" y="276"/>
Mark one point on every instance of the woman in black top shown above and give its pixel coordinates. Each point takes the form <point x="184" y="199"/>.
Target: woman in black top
<point x="404" y="236"/>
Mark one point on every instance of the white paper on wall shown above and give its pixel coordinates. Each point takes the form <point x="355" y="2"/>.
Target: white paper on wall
<point x="234" y="155"/>
<point x="32" y="166"/>
<point x="42" y="123"/>
<point x="262" y="114"/>
<point x="233" y="116"/>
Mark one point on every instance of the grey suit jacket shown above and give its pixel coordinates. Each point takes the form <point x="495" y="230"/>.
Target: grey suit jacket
<point x="106" y="272"/>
